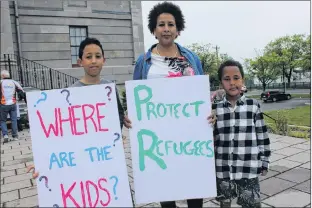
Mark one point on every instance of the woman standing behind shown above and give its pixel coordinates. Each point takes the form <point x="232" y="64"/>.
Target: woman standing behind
<point x="167" y="59"/>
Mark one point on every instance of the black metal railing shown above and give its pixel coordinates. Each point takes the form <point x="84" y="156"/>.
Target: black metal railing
<point x="292" y="85"/>
<point x="32" y="74"/>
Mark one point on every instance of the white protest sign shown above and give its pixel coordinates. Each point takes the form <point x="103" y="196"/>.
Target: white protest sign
<point x="171" y="140"/>
<point x="77" y="147"/>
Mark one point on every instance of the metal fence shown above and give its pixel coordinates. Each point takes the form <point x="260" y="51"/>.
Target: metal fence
<point x="292" y="85"/>
<point x="280" y="86"/>
<point x="32" y="74"/>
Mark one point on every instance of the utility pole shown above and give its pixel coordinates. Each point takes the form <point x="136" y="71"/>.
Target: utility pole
<point x="217" y="55"/>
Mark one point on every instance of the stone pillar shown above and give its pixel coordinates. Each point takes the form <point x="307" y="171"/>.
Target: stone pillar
<point x="6" y="30"/>
<point x="137" y="28"/>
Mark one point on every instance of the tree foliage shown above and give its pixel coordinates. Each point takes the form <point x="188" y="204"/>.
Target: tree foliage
<point x="281" y="57"/>
<point x="264" y="68"/>
<point x="210" y="59"/>
<point x="293" y="53"/>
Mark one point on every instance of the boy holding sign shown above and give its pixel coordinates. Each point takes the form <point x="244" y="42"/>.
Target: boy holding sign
<point x="91" y="58"/>
<point x="241" y="140"/>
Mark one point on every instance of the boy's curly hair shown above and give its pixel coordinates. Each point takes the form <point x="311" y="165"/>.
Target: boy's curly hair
<point x="230" y="63"/>
<point x="166" y="7"/>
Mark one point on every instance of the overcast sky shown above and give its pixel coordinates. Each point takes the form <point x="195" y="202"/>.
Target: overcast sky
<point x="237" y="27"/>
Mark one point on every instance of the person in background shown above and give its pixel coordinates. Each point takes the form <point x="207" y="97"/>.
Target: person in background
<point x="8" y="90"/>
<point x="241" y="140"/>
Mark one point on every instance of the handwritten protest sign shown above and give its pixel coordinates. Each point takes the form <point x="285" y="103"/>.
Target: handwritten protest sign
<point x="171" y="139"/>
<point x="77" y="147"/>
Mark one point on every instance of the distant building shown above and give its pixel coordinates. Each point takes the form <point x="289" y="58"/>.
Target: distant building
<point x="49" y="33"/>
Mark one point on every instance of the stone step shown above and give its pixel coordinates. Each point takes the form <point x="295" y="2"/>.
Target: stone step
<point x="22" y="104"/>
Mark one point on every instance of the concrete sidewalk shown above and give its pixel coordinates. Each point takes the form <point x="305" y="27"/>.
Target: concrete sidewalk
<point x="286" y="185"/>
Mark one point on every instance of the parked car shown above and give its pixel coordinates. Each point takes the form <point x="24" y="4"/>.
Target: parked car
<point x="274" y="96"/>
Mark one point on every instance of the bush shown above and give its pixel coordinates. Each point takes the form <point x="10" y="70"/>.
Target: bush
<point x="272" y="128"/>
<point x="281" y="123"/>
<point x="279" y="127"/>
<point x="299" y="134"/>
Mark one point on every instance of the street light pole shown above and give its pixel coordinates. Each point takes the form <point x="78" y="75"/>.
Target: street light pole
<point x="217" y="55"/>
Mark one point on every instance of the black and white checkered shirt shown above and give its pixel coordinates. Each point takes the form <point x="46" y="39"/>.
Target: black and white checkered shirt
<point x="241" y="139"/>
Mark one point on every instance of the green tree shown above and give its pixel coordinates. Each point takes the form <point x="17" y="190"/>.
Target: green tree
<point x="264" y="68"/>
<point x="290" y="52"/>
<point x="225" y="57"/>
<point x="210" y="60"/>
<point x="306" y="59"/>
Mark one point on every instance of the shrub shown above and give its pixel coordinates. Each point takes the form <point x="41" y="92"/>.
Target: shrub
<point x="281" y="123"/>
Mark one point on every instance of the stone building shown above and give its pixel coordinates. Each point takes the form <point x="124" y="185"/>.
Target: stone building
<point x="49" y="33"/>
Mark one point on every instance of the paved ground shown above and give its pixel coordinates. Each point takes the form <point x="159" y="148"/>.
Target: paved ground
<point x="286" y="185"/>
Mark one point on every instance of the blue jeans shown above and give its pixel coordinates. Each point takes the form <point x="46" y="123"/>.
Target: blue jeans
<point x="4" y="111"/>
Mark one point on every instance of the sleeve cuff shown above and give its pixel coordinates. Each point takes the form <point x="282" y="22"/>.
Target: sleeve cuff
<point x="265" y="165"/>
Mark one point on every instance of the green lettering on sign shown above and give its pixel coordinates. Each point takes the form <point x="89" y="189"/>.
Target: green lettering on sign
<point x="149" y="152"/>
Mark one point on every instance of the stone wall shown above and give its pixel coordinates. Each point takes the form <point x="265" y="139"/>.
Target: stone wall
<point x="44" y="32"/>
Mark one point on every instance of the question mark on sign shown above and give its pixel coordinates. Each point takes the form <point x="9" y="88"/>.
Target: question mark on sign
<point x="114" y="188"/>
<point x="118" y="136"/>
<point x="46" y="181"/>
<point x="68" y="94"/>
<point x="42" y="99"/>
<point x="110" y="91"/>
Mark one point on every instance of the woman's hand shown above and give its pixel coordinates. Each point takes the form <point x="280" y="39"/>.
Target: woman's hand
<point x="35" y="174"/>
<point x="127" y="122"/>
<point x="212" y="118"/>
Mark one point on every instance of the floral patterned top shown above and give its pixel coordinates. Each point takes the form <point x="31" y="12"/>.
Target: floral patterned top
<point x="169" y="67"/>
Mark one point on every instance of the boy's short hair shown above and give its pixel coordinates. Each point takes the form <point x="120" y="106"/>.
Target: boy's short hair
<point x="230" y="63"/>
<point x="165" y="7"/>
<point x="89" y="41"/>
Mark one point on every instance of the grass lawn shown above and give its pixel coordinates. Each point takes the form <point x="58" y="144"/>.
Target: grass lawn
<point x="300" y="116"/>
<point x="292" y="95"/>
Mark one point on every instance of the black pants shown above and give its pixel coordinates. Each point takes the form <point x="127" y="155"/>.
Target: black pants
<point x="191" y="203"/>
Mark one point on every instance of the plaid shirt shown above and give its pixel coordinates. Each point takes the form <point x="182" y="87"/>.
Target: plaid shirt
<point x="241" y="139"/>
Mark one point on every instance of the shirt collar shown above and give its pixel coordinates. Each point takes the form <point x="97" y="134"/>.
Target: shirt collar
<point x="240" y="101"/>
<point x="148" y="54"/>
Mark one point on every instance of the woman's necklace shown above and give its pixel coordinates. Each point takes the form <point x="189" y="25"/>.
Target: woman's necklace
<point x="175" y="55"/>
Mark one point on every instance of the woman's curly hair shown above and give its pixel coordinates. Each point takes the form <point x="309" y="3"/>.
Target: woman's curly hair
<point x="166" y="7"/>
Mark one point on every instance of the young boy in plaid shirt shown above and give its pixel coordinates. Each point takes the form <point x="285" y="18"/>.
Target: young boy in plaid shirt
<point x="241" y="141"/>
